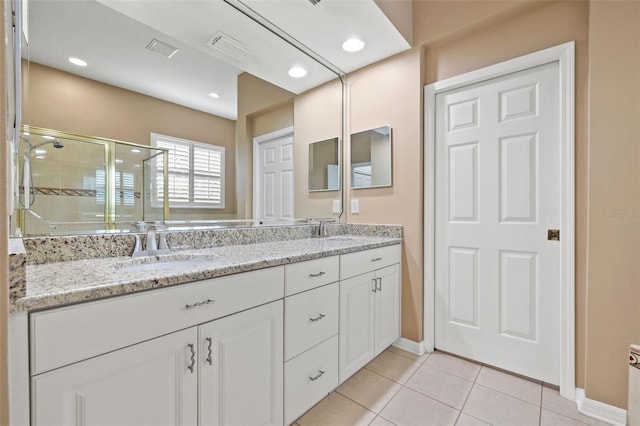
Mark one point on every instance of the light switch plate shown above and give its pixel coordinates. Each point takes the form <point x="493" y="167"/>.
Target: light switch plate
<point x="355" y="206"/>
<point x="336" y="206"/>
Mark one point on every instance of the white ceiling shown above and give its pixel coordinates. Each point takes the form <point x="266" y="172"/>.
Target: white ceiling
<point x="111" y="35"/>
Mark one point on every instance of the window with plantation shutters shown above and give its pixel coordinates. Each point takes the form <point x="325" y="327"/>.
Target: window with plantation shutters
<point x="196" y="173"/>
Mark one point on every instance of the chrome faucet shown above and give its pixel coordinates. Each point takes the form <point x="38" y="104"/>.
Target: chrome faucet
<point x="322" y="228"/>
<point x="151" y="243"/>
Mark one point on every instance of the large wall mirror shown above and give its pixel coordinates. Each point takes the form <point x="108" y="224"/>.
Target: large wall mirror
<point x="371" y="158"/>
<point x="200" y="71"/>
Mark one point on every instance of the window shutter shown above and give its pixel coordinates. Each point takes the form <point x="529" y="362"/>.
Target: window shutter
<point x="196" y="173"/>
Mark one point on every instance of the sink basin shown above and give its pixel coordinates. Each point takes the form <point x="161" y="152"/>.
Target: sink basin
<point x="343" y="237"/>
<point x="160" y="266"/>
<point x="160" y="263"/>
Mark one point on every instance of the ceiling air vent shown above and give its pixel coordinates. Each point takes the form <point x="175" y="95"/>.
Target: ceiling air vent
<point x="161" y="48"/>
<point x="228" y="46"/>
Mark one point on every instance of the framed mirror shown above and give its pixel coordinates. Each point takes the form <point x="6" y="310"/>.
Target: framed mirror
<point x="370" y="165"/>
<point x="324" y="165"/>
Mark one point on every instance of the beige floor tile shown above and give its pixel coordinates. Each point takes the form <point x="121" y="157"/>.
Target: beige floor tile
<point x="444" y="387"/>
<point x="406" y="354"/>
<point x="411" y="408"/>
<point x="499" y="409"/>
<point x="549" y="418"/>
<point x="517" y="387"/>
<point x="369" y="389"/>
<point x="467" y="420"/>
<point x="336" y="410"/>
<point x="381" y="421"/>
<point x="453" y="365"/>
<point x="552" y="401"/>
<point x="393" y="366"/>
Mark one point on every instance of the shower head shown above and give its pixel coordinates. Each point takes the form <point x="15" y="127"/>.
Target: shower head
<point x="57" y="143"/>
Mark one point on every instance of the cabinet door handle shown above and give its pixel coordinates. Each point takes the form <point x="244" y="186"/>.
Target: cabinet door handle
<point x="209" y="351"/>
<point x="191" y="366"/>
<point x="198" y="304"/>
<point x="375" y="286"/>
<point x="318" y="318"/>
<point x="317" y="376"/>
<point x="376" y="259"/>
<point x="319" y="274"/>
<point x="379" y="287"/>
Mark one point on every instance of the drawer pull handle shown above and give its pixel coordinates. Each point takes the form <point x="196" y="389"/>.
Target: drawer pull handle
<point x="198" y="304"/>
<point x="319" y="274"/>
<point x="376" y="259"/>
<point x="210" y="352"/>
<point x="318" y="318"/>
<point x="193" y="357"/>
<point x="317" y="376"/>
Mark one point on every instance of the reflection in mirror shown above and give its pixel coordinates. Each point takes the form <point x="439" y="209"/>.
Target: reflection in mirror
<point x="71" y="184"/>
<point x="324" y="165"/>
<point x="371" y="158"/>
<point x="127" y="92"/>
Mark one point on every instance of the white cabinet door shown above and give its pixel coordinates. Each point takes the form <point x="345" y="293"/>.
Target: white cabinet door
<point x="151" y="383"/>
<point x="241" y="368"/>
<point x="387" y="307"/>
<point x="357" y="306"/>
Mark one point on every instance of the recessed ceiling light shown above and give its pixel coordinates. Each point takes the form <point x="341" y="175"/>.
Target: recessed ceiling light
<point x="214" y="95"/>
<point x="297" y="72"/>
<point x="78" y="62"/>
<point x="353" y="45"/>
<point x="136" y="150"/>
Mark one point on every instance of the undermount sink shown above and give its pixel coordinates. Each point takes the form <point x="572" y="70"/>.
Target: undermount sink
<point x="159" y="266"/>
<point x="343" y="237"/>
<point x="159" y="263"/>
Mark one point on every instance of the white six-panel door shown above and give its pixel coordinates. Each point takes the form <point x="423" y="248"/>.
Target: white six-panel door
<point x="498" y="192"/>
<point x="274" y="179"/>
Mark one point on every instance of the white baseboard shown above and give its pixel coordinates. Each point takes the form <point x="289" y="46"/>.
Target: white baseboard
<point x="417" y="348"/>
<point x="599" y="410"/>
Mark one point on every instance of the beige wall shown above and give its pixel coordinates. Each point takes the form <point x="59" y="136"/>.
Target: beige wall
<point x="61" y="101"/>
<point x="390" y="93"/>
<point x="263" y="105"/>
<point x="317" y="116"/>
<point x="4" y="238"/>
<point x="613" y="309"/>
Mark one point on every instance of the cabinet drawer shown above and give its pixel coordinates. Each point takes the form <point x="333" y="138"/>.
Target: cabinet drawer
<point x="361" y="262"/>
<point x="66" y="335"/>
<point x="313" y="273"/>
<point x="310" y="377"/>
<point x="310" y="318"/>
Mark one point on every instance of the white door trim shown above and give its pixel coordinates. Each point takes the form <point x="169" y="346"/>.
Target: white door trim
<point x="287" y="131"/>
<point x="565" y="55"/>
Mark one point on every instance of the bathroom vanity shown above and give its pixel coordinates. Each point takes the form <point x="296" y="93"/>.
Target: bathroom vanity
<point x="247" y="341"/>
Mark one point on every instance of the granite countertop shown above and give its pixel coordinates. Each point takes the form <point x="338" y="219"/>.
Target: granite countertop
<point x="55" y="284"/>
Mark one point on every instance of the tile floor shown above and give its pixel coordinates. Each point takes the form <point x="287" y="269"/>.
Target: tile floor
<point x="400" y="388"/>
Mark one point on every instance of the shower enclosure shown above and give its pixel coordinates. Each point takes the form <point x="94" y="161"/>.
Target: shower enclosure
<point x="70" y="184"/>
